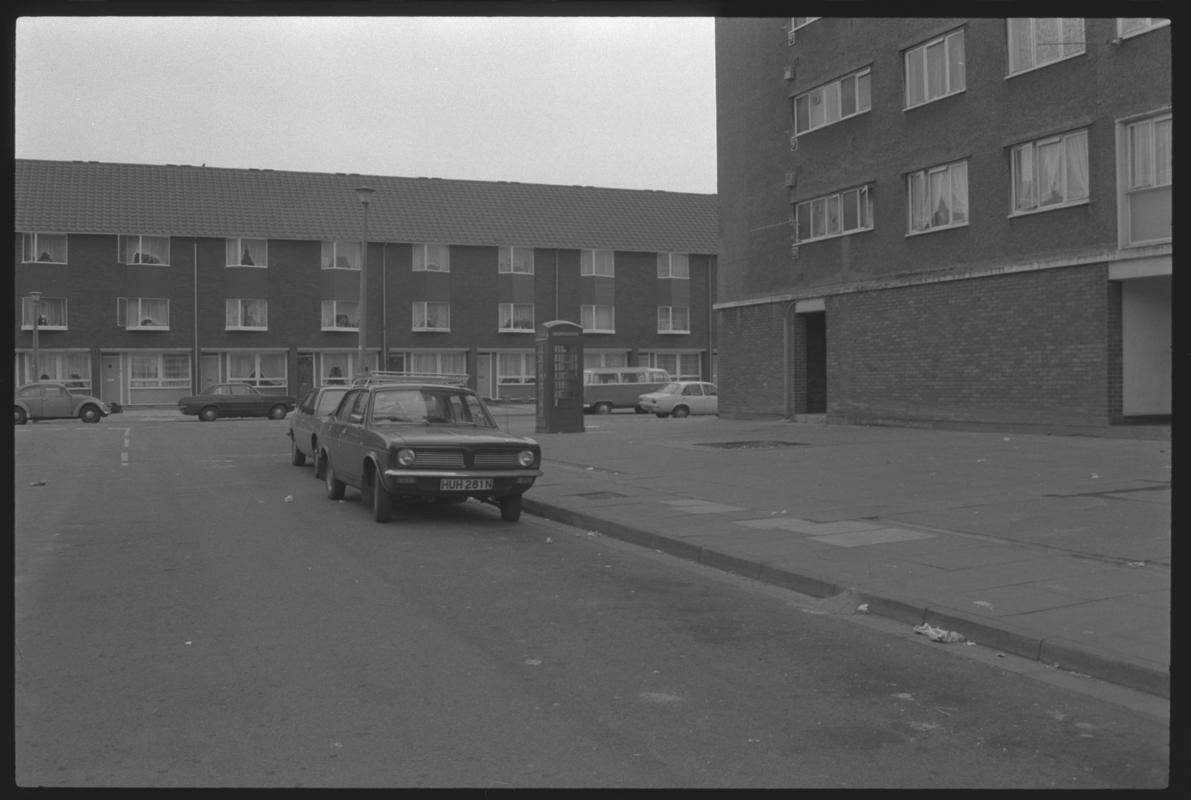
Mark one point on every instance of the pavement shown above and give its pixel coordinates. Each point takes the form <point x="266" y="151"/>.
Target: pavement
<point x="1054" y="546"/>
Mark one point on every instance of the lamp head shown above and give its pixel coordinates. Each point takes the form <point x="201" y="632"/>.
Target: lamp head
<point x="365" y="194"/>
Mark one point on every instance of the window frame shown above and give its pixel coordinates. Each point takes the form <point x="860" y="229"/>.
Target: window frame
<point x="1012" y="70"/>
<point x="926" y="174"/>
<point x="27" y="314"/>
<point x="511" y="316"/>
<point x="259" y="257"/>
<point x="1150" y="24"/>
<point x="950" y="89"/>
<point x="424" y="307"/>
<point x="129" y="253"/>
<point x="122" y="315"/>
<point x="1128" y="190"/>
<point x="597" y="263"/>
<point x="525" y="376"/>
<point x="592" y="310"/>
<point x="864" y="210"/>
<point x="335" y="313"/>
<point x="1064" y="141"/>
<point x="507" y="263"/>
<point x="330" y="256"/>
<point x="668" y="272"/>
<point x="159" y="380"/>
<point x="31" y="245"/>
<point x="242" y="311"/>
<point x="823" y="89"/>
<point x="666" y="313"/>
<point x="421" y="261"/>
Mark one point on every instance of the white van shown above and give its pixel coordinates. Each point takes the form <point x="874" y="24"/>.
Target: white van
<point x="619" y="387"/>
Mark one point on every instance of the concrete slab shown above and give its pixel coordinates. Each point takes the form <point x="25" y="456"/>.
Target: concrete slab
<point x="809" y="527"/>
<point x="871" y="537"/>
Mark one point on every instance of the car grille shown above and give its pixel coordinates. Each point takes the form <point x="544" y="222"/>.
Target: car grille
<point x="462" y="459"/>
<point x="440" y="459"/>
<point x="497" y="460"/>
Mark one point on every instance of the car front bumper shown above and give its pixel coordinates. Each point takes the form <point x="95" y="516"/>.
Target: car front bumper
<point x="429" y="483"/>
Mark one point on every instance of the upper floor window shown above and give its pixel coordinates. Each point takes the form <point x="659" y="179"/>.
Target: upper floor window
<point x="340" y="315"/>
<point x="832" y="102"/>
<point x="598" y="319"/>
<point x="836" y="214"/>
<point x="1036" y="42"/>
<point x="935" y="69"/>
<point x="1050" y="172"/>
<point x="340" y="254"/>
<point x="516" y="318"/>
<point x="674" y="265"/>
<point x="938" y="197"/>
<point x="1134" y="26"/>
<point x="143" y="313"/>
<point x="246" y="314"/>
<point x="431" y="316"/>
<point x="1149" y="179"/>
<point x="432" y="258"/>
<point x="597" y="262"/>
<point x="796" y="23"/>
<point x="145" y="250"/>
<point x="49" y="248"/>
<point x="51" y="313"/>
<point x="516" y="259"/>
<point x="674" y="319"/>
<point x="250" y="252"/>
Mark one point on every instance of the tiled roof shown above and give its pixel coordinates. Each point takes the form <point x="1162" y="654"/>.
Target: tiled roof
<point x="94" y="197"/>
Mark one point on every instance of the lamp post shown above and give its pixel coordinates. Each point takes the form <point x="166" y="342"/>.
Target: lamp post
<point x="365" y="194"/>
<point x="36" y="297"/>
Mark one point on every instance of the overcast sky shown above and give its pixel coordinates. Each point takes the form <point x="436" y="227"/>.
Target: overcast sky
<point x="598" y="101"/>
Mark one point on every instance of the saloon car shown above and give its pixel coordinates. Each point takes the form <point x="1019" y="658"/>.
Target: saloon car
<point x="682" y="398"/>
<point x="236" y="400"/>
<point x="50" y="400"/>
<point x="306" y="423"/>
<point x="417" y="441"/>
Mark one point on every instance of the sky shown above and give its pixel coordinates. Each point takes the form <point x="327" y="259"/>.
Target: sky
<point x="619" y="102"/>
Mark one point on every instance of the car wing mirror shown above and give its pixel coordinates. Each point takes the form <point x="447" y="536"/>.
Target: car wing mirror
<point x="356" y="418"/>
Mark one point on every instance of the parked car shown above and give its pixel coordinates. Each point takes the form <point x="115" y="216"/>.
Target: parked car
<point x="607" y="388"/>
<point x="50" y="400"/>
<point x="236" y="400"/>
<point x="419" y="441"/>
<point x="305" y="424"/>
<point x="682" y="398"/>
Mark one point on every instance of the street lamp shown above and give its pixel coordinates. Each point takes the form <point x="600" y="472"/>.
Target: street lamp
<point x="36" y="297"/>
<point x="365" y="194"/>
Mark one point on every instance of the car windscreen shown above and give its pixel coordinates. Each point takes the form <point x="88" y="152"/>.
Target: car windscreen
<point x="429" y="406"/>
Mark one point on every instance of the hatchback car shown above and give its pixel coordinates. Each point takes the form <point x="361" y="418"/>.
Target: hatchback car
<point x="50" y="400"/>
<point x="682" y="398"/>
<point x="407" y="442"/>
<point x="306" y="423"/>
<point x="236" y="400"/>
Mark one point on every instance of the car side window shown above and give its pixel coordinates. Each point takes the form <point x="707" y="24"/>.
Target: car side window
<point x="30" y="392"/>
<point x="693" y="389"/>
<point x="221" y="390"/>
<point x="55" y="391"/>
<point x="361" y="404"/>
<point x="345" y="405"/>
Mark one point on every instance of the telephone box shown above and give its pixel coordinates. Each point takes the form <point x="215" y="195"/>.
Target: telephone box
<point x="560" y="377"/>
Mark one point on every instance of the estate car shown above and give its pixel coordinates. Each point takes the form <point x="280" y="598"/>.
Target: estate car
<point x="236" y="400"/>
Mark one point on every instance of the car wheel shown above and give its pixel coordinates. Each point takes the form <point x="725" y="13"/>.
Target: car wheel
<point x="603" y="408"/>
<point x="296" y="456"/>
<point x="382" y="501"/>
<point x="510" y="508"/>
<point x="209" y="414"/>
<point x="89" y="414"/>
<point x="278" y="411"/>
<point x="335" y="487"/>
<point x="19" y="417"/>
<point x="681" y="411"/>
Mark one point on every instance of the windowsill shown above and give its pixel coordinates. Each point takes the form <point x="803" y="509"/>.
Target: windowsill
<point x="936" y="230"/>
<point x="1042" y="209"/>
<point x="423" y="269"/>
<point x="514" y="330"/>
<point x="38" y="261"/>
<point x="248" y="266"/>
<point x="145" y="264"/>
<point x="935" y="99"/>
<point x="431" y="330"/>
<point x="246" y="328"/>
<point x="595" y="275"/>
<point x="674" y="277"/>
<point x="339" y="328"/>
<point x="147" y="328"/>
<point x="1051" y="63"/>
<point x="597" y="330"/>
<point x="343" y="269"/>
<point x="509" y="272"/>
<point x="1121" y="37"/>
<point x="674" y="333"/>
<point x="45" y="328"/>
<point x="831" y="236"/>
<point x="1146" y="243"/>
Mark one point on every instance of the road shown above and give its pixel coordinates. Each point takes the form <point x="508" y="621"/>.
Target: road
<point x="191" y="611"/>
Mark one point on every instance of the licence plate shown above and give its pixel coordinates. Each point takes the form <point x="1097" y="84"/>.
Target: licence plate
<point x="464" y="484"/>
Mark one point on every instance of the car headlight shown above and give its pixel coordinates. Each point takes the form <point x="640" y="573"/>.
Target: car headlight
<point x="405" y="456"/>
<point x="526" y="458"/>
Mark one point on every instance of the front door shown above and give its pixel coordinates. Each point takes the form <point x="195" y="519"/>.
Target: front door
<point x="484" y="376"/>
<point x="208" y="372"/>
<point x="112" y="383"/>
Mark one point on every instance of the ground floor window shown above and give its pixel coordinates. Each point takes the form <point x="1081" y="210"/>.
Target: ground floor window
<point x="603" y="359"/>
<point x="71" y="368"/>
<point x="262" y="370"/>
<point x="341" y="368"/>
<point x="159" y="370"/>
<point x="686" y="366"/>
<point x="441" y="362"/>
<point x="516" y="369"/>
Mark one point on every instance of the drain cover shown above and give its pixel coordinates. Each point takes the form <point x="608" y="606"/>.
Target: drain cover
<point x="756" y="444"/>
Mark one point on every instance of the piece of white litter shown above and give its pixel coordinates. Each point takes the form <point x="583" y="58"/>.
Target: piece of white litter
<point x="862" y="608"/>
<point x="938" y="634"/>
<point x="1094" y="476"/>
<point x="549" y="540"/>
<point x="533" y="662"/>
<point x="289" y="498"/>
<point x="37" y="483"/>
<point x="982" y="603"/>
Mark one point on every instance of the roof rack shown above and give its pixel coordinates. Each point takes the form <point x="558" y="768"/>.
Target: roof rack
<point x="380" y="376"/>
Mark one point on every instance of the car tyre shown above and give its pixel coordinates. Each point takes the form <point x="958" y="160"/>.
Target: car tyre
<point x="296" y="456"/>
<point x="603" y="408"/>
<point x="382" y="501"/>
<point x="681" y="411"/>
<point x="510" y="508"/>
<point x="335" y="487"/>
<point x="89" y="414"/>
<point x="209" y="414"/>
<point x="19" y="417"/>
<point x="278" y="411"/>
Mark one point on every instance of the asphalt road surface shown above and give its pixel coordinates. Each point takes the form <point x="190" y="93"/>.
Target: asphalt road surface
<point x="191" y="611"/>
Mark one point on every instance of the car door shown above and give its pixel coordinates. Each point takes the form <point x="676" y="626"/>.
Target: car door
<point x="244" y="401"/>
<point x="711" y="399"/>
<point x="56" y="403"/>
<point x="31" y="396"/>
<point x="692" y="397"/>
<point x="350" y="449"/>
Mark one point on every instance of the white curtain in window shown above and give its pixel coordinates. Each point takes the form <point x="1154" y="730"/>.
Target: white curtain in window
<point x="1163" y="131"/>
<point x="154" y="311"/>
<point x="1023" y="178"/>
<point x="155" y="250"/>
<point x="915" y="77"/>
<point x="956" y="78"/>
<point x="1077" y="166"/>
<point x="833" y="217"/>
<point x="936" y="70"/>
<point x="231" y="317"/>
<point x="919" y="208"/>
<point x="1141" y="155"/>
<point x="1050" y="173"/>
<point x="959" y="193"/>
<point x="1021" y="44"/>
<point x="940" y="197"/>
<point x="256" y="313"/>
